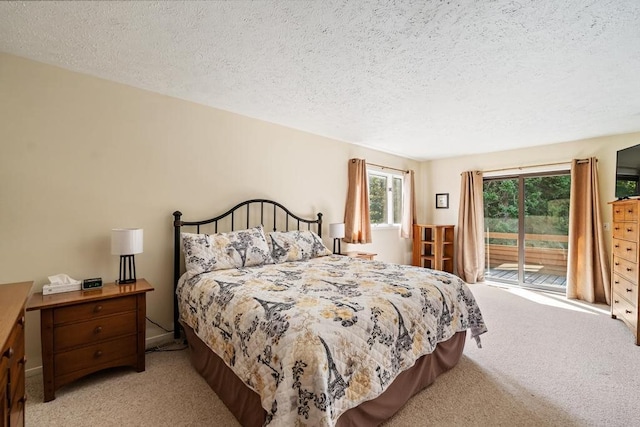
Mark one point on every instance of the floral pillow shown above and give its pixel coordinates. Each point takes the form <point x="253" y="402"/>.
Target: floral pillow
<point x="236" y="249"/>
<point x="296" y="246"/>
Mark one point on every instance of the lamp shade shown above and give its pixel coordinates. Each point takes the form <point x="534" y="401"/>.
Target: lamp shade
<point x="126" y="241"/>
<point x="336" y="231"/>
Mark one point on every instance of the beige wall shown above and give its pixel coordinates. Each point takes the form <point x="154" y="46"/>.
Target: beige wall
<point x="443" y="176"/>
<point x="81" y="155"/>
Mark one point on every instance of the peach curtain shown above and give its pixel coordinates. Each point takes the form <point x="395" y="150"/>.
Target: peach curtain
<point x="470" y="238"/>
<point x="408" y="206"/>
<point x="587" y="262"/>
<point x="357" y="225"/>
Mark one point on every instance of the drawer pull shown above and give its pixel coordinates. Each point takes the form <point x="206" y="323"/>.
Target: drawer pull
<point x="616" y="301"/>
<point x="616" y="263"/>
<point x="628" y="249"/>
<point x="616" y="228"/>
<point x="617" y="282"/>
<point x="629" y="269"/>
<point x="97" y="309"/>
<point x="8" y="353"/>
<point x="630" y="211"/>
<point x="629" y="290"/>
<point x="628" y="311"/>
<point x="23" y="361"/>
<point x="21" y="321"/>
<point x="629" y="230"/>
<point x="616" y="246"/>
<point x="98" y="354"/>
<point x="98" y="329"/>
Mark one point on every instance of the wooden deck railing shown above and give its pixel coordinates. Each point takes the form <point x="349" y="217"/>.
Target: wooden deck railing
<point x="550" y="260"/>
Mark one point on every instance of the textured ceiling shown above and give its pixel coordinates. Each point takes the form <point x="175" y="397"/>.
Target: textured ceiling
<point x="423" y="79"/>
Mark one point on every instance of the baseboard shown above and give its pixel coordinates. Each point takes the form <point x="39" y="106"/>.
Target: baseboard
<point x="159" y="340"/>
<point x="32" y="372"/>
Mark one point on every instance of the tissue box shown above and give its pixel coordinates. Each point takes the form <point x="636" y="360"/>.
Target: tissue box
<point x="58" y="288"/>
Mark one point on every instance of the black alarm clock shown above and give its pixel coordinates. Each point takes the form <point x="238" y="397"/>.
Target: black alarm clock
<point x="89" y="284"/>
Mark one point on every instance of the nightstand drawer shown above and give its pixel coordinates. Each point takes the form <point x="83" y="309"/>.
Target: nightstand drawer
<point x="90" y="310"/>
<point x="95" y="355"/>
<point x="89" y="332"/>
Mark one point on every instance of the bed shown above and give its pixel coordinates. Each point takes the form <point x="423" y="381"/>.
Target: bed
<point x="287" y="333"/>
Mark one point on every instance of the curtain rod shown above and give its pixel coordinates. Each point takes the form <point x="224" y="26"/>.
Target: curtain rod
<point x="388" y="167"/>
<point x="534" y="166"/>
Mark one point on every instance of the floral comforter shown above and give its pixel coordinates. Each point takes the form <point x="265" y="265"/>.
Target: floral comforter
<point x="316" y="338"/>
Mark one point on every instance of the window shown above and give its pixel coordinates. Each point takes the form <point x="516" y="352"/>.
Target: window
<point x="385" y="198"/>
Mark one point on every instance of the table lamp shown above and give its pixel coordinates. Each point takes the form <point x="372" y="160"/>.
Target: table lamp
<point x="126" y="242"/>
<point x="336" y="231"/>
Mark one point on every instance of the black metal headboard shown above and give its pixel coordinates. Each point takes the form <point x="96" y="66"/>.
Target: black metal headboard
<point x="279" y="216"/>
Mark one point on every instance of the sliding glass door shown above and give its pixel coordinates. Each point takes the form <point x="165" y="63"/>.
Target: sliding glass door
<point x="526" y="229"/>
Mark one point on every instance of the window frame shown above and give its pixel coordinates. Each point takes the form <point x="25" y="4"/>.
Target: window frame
<point x="390" y="207"/>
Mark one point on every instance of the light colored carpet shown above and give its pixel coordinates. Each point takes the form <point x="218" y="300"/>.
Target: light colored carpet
<point x="545" y="362"/>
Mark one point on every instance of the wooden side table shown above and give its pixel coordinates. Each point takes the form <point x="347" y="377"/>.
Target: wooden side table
<point x="83" y="332"/>
<point x="361" y="255"/>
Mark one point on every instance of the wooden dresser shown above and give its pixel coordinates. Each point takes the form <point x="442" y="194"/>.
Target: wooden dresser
<point x="625" y="271"/>
<point x="13" y="298"/>
<point x="86" y="331"/>
<point x="433" y="247"/>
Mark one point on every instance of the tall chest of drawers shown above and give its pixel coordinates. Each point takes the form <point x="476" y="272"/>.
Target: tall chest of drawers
<point x="626" y="262"/>
<point x="13" y="298"/>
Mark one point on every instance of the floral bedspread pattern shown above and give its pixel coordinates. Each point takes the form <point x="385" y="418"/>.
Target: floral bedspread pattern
<point x="318" y="337"/>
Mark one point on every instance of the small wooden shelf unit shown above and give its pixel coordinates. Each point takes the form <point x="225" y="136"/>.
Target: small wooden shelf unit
<point x="433" y="247"/>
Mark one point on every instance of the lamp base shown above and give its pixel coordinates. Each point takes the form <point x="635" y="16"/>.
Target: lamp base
<point x="336" y="240"/>
<point x="127" y="270"/>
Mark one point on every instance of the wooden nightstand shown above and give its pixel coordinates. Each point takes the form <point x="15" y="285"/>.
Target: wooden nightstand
<point x="361" y="255"/>
<point x="86" y="331"/>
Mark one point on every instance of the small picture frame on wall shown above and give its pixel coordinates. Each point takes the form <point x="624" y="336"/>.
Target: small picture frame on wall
<point x="442" y="201"/>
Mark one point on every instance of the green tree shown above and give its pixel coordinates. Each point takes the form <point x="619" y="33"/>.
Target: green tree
<point x="377" y="199"/>
<point x="546" y="205"/>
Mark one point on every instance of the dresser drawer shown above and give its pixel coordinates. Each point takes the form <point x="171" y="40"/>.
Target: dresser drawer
<point x="625" y="230"/>
<point x="17" y="365"/>
<point x="630" y="212"/>
<point x="89" y="332"/>
<point x="618" y="213"/>
<point x="625" y="288"/>
<point x="95" y="355"/>
<point x="624" y="309"/>
<point x="625" y="268"/>
<point x="17" y="395"/>
<point x="93" y="309"/>
<point x="625" y="249"/>
<point x="625" y="212"/>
